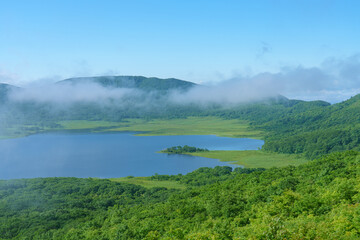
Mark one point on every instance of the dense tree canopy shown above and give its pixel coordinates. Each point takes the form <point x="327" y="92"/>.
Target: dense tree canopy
<point x="183" y="149"/>
<point x="317" y="200"/>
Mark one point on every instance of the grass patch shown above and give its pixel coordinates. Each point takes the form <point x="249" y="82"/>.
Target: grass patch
<point x="85" y="124"/>
<point x="254" y="159"/>
<point x="23" y="130"/>
<point x="157" y="127"/>
<point x="148" y="183"/>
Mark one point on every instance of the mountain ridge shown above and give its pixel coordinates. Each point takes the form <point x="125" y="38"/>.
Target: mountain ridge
<point x="140" y="82"/>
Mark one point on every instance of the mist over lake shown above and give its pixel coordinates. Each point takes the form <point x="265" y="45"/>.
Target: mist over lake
<point x="108" y="155"/>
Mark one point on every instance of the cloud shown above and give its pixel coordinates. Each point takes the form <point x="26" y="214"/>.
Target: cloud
<point x="290" y="82"/>
<point x="347" y="71"/>
<point x="67" y="93"/>
<point x="334" y="80"/>
<point x="332" y="96"/>
<point x="233" y="91"/>
<point x="8" y="77"/>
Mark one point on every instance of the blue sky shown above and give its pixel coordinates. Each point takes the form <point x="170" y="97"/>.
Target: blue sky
<point x="199" y="41"/>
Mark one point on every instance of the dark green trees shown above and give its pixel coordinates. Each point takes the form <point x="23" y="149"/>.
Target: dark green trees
<point x="184" y="149"/>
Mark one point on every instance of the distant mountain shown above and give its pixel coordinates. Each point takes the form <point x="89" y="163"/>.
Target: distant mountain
<point x="140" y="82"/>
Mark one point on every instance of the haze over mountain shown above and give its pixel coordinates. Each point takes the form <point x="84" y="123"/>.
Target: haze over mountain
<point x="138" y="82"/>
<point x="5" y="89"/>
<point x="114" y="89"/>
<point x="173" y="91"/>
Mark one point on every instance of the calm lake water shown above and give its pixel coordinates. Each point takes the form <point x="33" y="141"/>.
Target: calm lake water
<point x="108" y="155"/>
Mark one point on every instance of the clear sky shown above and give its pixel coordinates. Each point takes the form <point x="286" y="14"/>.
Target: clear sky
<point x="194" y="40"/>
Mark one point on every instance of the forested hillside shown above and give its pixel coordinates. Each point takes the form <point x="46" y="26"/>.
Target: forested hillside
<point x="317" y="200"/>
<point x="316" y="131"/>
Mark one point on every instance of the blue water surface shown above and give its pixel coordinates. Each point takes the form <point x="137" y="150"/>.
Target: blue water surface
<point x="108" y="155"/>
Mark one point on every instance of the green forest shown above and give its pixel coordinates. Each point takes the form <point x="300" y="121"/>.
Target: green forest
<point x="317" y="200"/>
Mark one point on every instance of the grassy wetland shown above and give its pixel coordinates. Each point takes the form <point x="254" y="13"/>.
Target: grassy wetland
<point x="254" y="159"/>
<point x="158" y="127"/>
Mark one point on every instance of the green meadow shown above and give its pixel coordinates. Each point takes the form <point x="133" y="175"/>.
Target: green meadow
<point x="187" y="126"/>
<point x="149" y="183"/>
<point x="22" y="130"/>
<point x="254" y="159"/>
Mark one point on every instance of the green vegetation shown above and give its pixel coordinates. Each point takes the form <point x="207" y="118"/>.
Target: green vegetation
<point x="316" y="200"/>
<point x="254" y="159"/>
<point x="149" y="182"/>
<point x="91" y="126"/>
<point x="22" y="130"/>
<point x="316" y="132"/>
<point x="184" y="149"/>
<point x="156" y="127"/>
<point x="187" y="126"/>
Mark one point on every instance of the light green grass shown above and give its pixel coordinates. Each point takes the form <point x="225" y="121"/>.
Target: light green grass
<point x="85" y="124"/>
<point x="148" y="183"/>
<point x="188" y="126"/>
<point x="254" y="159"/>
<point x="18" y="130"/>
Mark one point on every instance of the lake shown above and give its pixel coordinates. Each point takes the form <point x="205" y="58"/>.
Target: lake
<point x="108" y="155"/>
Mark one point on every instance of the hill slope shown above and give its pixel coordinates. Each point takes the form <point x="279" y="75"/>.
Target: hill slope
<point x="316" y="131"/>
